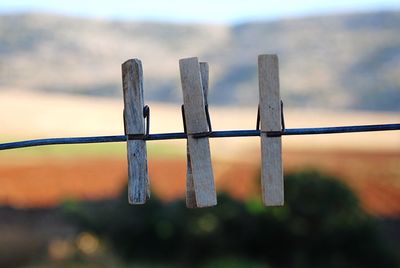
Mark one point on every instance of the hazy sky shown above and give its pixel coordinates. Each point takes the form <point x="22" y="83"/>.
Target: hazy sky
<point x="223" y="11"/>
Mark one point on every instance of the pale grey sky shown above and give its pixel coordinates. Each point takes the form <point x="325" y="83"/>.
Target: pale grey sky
<point x="210" y="11"/>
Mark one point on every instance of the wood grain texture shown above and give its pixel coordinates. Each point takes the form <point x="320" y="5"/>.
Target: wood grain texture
<point x="270" y="100"/>
<point x="270" y="117"/>
<point x="271" y="171"/>
<point x="204" y="73"/>
<point x="132" y="80"/>
<point x="193" y="97"/>
<point x="190" y="192"/>
<point x="198" y="149"/>
<point x="202" y="172"/>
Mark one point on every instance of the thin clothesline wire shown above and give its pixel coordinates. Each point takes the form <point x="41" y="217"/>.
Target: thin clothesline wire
<point x="182" y="135"/>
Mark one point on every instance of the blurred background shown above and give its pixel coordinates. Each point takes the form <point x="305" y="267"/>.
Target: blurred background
<point x="60" y="76"/>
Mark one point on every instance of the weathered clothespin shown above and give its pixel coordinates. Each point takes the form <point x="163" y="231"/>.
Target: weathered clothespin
<point x="197" y="127"/>
<point x="134" y="114"/>
<point x="190" y="192"/>
<point x="271" y="129"/>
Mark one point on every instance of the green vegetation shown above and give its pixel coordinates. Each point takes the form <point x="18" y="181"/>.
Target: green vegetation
<point x="158" y="149"/>
<point x="321" y="225"/>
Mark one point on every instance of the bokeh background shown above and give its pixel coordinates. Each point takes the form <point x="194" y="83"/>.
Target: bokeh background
<point x="60" y="75"/>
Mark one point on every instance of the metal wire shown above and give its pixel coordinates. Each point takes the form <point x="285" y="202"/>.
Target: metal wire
<point x="182" y="135"/>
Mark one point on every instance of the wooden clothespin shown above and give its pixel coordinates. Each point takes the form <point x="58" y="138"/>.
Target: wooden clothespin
<point x="197" y="128"/>
<point x="271" y="128"/>
<point x="134" y="111"/>
<point x="190" y="192"/>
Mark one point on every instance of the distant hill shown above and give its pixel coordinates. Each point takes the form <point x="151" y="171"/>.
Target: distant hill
<point x="347" y="61"/>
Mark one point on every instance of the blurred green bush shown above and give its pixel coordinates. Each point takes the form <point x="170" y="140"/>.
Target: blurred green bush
<point x="321" y="225"/>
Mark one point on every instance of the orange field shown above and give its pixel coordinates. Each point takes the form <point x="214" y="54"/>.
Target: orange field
<point x="368" y="162"/>
<point x="375" y="177"/>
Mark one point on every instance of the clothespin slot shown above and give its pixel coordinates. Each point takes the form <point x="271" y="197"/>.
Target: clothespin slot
<point x="134" y="114"/>
<point x="200" y="179"/>
<point x="271" y="124"/>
